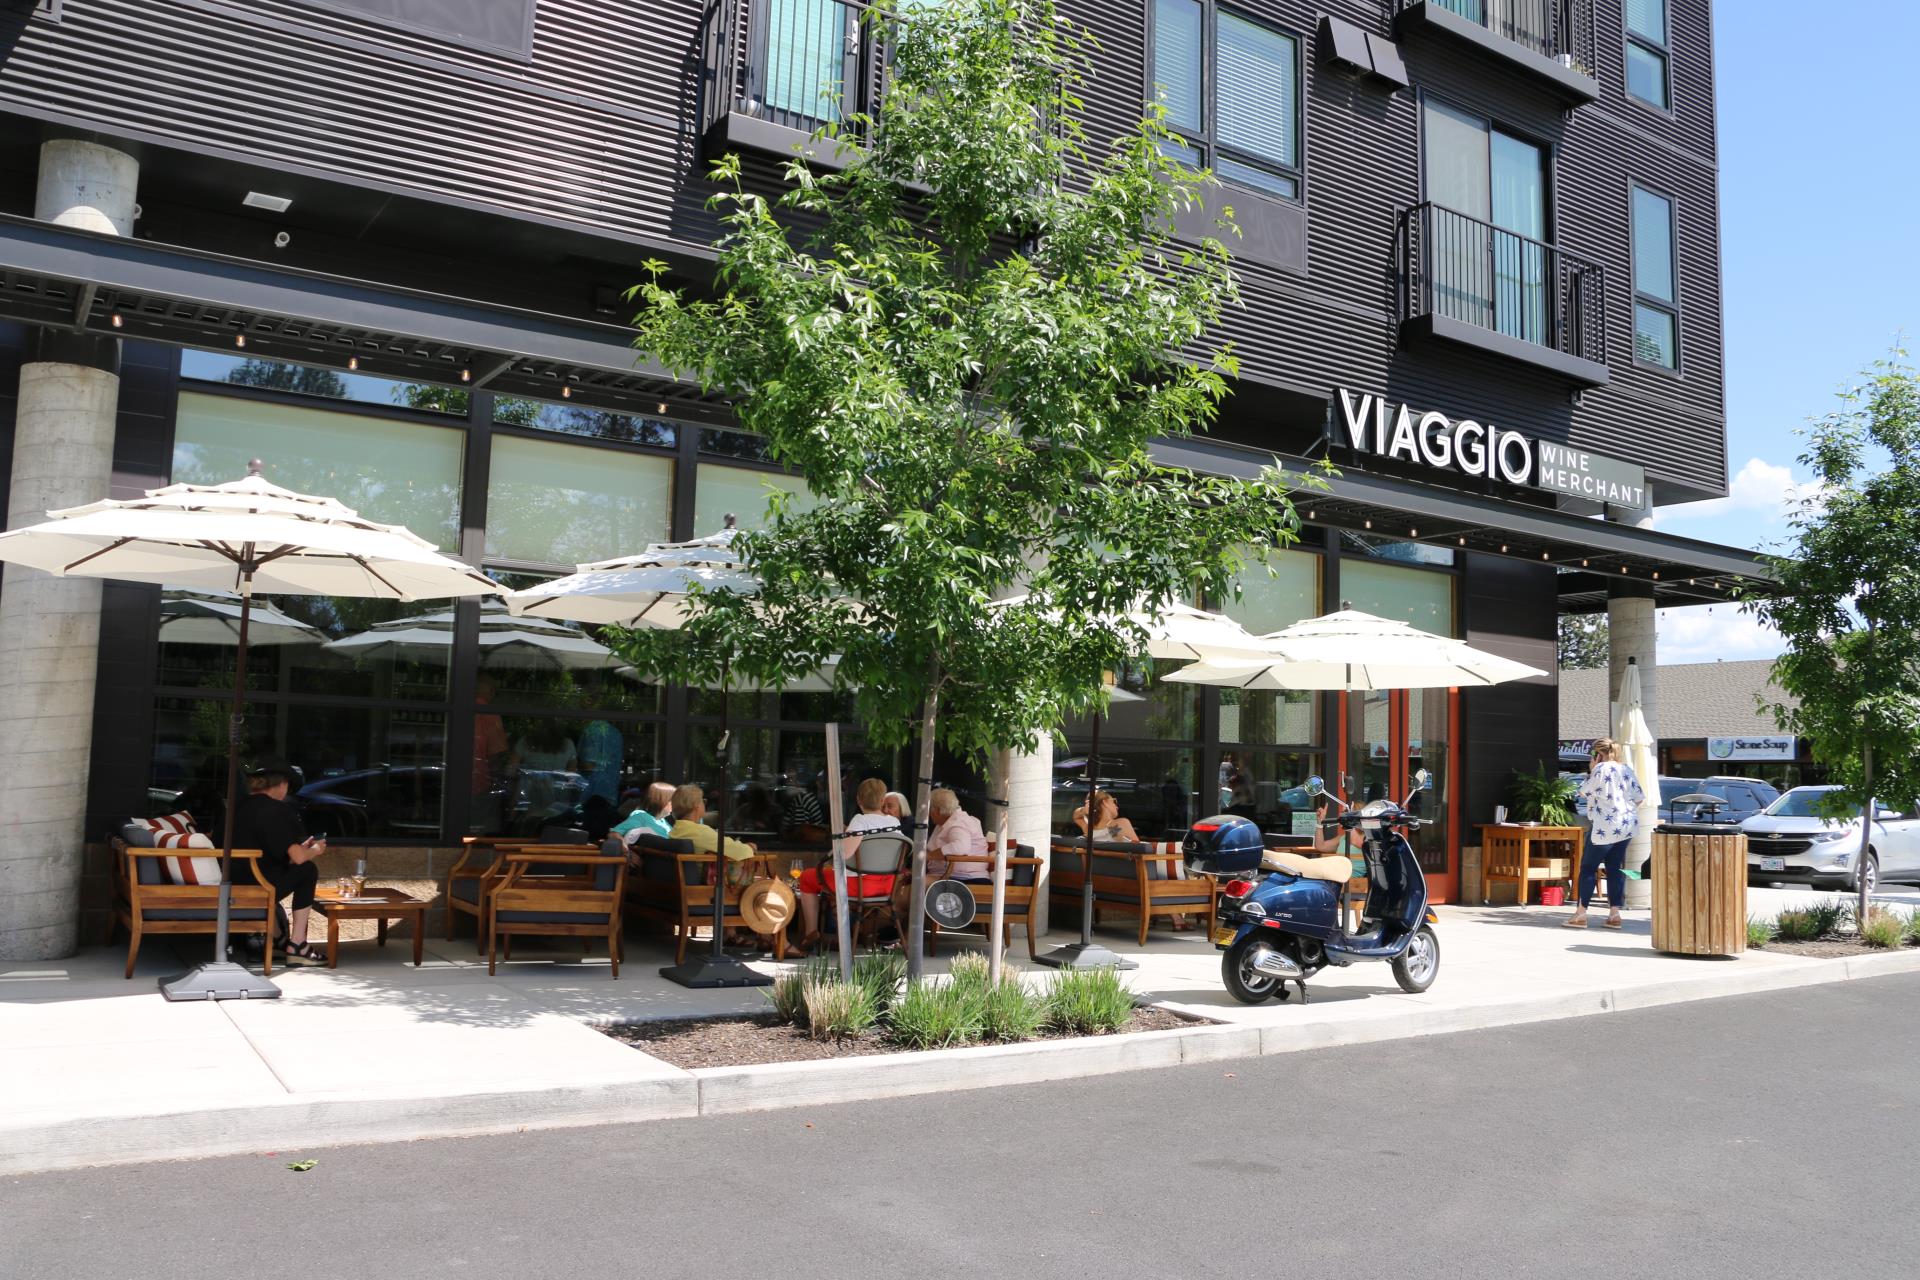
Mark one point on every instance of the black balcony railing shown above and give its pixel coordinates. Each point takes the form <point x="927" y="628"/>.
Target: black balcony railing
<point x="1557" y="29"/>
<point x="796" y="63"/>
<point x="1470" y="271"/>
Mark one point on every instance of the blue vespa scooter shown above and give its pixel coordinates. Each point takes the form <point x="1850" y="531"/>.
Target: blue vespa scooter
<point x="1287" y="925"/>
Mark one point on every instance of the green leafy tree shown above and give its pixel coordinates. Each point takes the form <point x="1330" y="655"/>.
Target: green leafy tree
<point x="1848" y="596"/>
<point x="965" y="341"/>
<point x="1584" y="641"/>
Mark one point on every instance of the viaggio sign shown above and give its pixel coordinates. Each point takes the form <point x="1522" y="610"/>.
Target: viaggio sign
<point x="1469" y="448"/>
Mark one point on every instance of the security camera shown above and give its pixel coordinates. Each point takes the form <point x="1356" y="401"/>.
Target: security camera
<point x="281" y="239"/>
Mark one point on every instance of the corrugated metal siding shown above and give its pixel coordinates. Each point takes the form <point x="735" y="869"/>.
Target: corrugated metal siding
<point x="598" y="130"/>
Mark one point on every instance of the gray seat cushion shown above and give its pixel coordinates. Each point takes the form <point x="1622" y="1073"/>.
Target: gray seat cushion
<point x="254" y="914"/>
<point x="552" y="917"/>
<point x="465" y="890"/>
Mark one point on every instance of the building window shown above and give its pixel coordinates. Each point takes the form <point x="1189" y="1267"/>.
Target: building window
<point x="1647" y="52"/>
<point x="1656" y="314"/>
<point x="1231" y="87"/>
<point x="1488" y="252"/>
<point x="388" y="469"/>
<point x="1419" y="597"/>
<point x="558" y="503"/>
<point x="722" y="491"/>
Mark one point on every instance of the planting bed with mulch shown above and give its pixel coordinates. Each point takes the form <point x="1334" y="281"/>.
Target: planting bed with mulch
<point x="765" y="1038"/>
<point x="1829" y="948"/>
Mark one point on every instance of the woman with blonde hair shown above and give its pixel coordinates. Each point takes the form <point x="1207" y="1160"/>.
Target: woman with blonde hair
<point x="872" y="796"/>
<point x="1612" y="797"/>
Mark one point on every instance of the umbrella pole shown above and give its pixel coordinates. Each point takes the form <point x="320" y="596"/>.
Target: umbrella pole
<point x="717" y="968"/>
<point x="1086" y="953"/>
<point x="222" y="979"/>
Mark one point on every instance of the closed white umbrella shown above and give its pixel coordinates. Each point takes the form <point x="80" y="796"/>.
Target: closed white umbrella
<point x="1358" y="651"/>
<point x="1637" y="744"/>
<point x="243" y="536"/>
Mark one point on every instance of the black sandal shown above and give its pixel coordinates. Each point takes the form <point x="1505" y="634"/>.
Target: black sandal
<point x="298" y="953"/>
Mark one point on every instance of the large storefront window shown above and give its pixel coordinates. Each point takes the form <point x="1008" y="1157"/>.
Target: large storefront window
<point x="363" y="773"/>
<point x="722" y="491"/>
<point x="1285" y="591"/>
<point x="387" y="469"/>
<point x="549" y="662"/>
<point x="1269" y="787"/>
<point x="1154" y="787"/>
<point x="1424" y="599"/>
<point x="534" y="772"/>
<point x="550" y="502"/>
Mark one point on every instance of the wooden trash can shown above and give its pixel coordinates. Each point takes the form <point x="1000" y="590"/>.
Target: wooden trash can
<point x="1699" y="892"/>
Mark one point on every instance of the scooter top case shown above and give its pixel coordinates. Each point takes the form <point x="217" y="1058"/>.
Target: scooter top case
<point x="1223" y="845"/>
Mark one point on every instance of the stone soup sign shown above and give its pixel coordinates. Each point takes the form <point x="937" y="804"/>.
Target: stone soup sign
<point x="1470" y="448"/>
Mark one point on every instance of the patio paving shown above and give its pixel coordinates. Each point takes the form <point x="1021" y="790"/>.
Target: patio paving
<point x="95" y="1068"/>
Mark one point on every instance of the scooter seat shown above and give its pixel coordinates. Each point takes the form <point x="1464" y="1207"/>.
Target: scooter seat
<point x="1332" y="867"/>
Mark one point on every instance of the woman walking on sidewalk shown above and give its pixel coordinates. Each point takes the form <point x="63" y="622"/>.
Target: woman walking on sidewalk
<point x="1612" y="795"/>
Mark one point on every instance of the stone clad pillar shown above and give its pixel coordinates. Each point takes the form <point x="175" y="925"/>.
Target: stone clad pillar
<point x="50" y="627"/>
<point x="1631" y="635"/>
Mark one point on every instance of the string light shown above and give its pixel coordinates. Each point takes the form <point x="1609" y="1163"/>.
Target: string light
<point x="466" y="375"/>
<point x="116" y="320"/>
<point x="566" y="393"/>
<point x="240" y="340"/>
<point x="1503" y="548"/>
<point x="1369" y="524"/>
<point x="353" y="362"/>
<point x="1413" y="533"/>
<point x="1463" y="542"/>
<point x="1543" y="555"/>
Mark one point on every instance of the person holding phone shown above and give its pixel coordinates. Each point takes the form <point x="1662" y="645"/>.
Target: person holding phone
<point x="266" y="820"/>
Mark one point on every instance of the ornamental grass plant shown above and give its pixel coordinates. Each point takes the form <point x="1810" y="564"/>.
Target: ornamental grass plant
<point x="1088" y="1002"/>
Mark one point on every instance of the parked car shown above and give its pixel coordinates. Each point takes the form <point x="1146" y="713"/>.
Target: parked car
<point x="1794" y="842"/>
<point x="1741" y="798"/>
<point x="402" y="801"/>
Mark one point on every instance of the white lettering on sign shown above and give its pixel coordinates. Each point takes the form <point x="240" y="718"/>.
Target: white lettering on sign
<point x="1377" y="426"/>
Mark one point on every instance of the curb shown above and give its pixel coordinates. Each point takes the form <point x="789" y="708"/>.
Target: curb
<point x="46" y="1143"/>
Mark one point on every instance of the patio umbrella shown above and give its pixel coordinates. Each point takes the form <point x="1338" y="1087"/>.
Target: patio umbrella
<point x="208" y="617"/>
<point x="505" y="641"/>
<point x="1175" y="632"/>
<point x="1636" y="740"/>
<point x="1351" y="650"/>
<point x="245" y="535"/>
<point x="655" y="589"/>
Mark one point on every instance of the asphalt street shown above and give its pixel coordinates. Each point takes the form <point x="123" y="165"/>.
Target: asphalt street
<point x="1751" y="1137"/>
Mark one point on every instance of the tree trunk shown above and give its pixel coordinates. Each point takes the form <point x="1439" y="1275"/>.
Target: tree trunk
<point x="914" y="939"/>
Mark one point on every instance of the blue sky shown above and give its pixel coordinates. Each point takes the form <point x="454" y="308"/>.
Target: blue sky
<point x="1820" y="211"/>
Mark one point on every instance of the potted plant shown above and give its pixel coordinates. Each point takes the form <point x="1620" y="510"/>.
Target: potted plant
<point x="1544" y="796"/>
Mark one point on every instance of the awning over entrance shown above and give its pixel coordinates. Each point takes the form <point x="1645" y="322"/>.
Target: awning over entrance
<point x="84" y="282"/>
<point x="1593" y="556"/>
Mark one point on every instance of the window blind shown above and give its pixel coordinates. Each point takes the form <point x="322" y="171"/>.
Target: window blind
<point x="1176" y="61"/>
<point x="1257" y="91"/>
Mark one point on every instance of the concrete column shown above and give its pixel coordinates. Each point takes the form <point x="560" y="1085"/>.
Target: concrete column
<point x="1630" y="633"/>
<point x="1029" y="792"/>
<point x="50" y="627"/>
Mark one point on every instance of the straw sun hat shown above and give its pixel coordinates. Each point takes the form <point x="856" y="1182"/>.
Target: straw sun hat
<point x="767" y="906"/>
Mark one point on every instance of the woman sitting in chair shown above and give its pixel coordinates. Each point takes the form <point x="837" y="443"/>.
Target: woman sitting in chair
<point x="1107" y="823"/>
<point x="816" y="880"/>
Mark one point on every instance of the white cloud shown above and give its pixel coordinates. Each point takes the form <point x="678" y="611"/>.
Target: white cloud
<point x="1759" y="487"/>
<point x="1714" y="633"/>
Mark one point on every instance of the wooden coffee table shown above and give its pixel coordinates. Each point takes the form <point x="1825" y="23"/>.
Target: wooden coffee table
<point x="380" y="905"/>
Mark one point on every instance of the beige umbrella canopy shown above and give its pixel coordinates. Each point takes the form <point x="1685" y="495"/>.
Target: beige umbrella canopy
<point x="1352" y="650"/>
<point x="244" y="536"/>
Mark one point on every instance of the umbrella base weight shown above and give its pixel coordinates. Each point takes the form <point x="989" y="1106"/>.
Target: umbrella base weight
<point x="710" y="971"/>
<point x="222" y="981"/>
<point x="1083" y="955"/>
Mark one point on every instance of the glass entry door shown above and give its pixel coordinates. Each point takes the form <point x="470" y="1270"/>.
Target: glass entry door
<point x="1389" y="738"/>
<point x="1488" y="250"/>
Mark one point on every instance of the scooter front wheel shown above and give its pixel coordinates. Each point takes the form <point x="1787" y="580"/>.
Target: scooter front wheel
<point x="1244" y="982"/>
<point x="1416" y="967"/>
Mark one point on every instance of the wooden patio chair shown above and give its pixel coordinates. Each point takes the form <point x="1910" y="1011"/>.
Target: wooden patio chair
<point x="145" y="903"/>
<point x="583" y="901"/>
<point x="471" y="879"/>
<point x="696" y="892"/>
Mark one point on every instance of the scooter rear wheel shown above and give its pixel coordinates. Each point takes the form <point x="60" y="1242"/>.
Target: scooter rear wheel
<point x="1243" y="982"/>
<point x="1416" y="967"/>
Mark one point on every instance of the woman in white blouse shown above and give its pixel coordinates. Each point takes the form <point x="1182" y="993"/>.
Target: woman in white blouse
<point x="1612" y="796"/>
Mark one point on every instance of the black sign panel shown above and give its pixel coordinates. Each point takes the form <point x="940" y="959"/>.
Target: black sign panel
<point x="504" y="26"/>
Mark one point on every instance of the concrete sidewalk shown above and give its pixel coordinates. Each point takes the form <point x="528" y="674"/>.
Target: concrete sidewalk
<point x="96" y="1069"/>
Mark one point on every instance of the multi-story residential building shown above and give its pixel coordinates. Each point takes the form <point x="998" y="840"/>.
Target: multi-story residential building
<point x="381" y="244"/>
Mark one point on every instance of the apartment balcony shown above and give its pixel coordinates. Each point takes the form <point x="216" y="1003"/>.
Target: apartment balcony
<point x="1550" y="41"/>
<point x="1468" y="282"/>
<point x="775" y="71"/>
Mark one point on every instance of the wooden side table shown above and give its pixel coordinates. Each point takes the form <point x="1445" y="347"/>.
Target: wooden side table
<point x="1526" y="855"/>
<point x="375" y="904"/>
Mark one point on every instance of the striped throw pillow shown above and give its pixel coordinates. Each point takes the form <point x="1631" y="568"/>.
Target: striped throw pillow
<point x="175" y="831"/>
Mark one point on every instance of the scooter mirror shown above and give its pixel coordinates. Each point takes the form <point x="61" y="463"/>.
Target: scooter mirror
<point x="1316" y="785"/>
<point x="1422" y="780"/>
